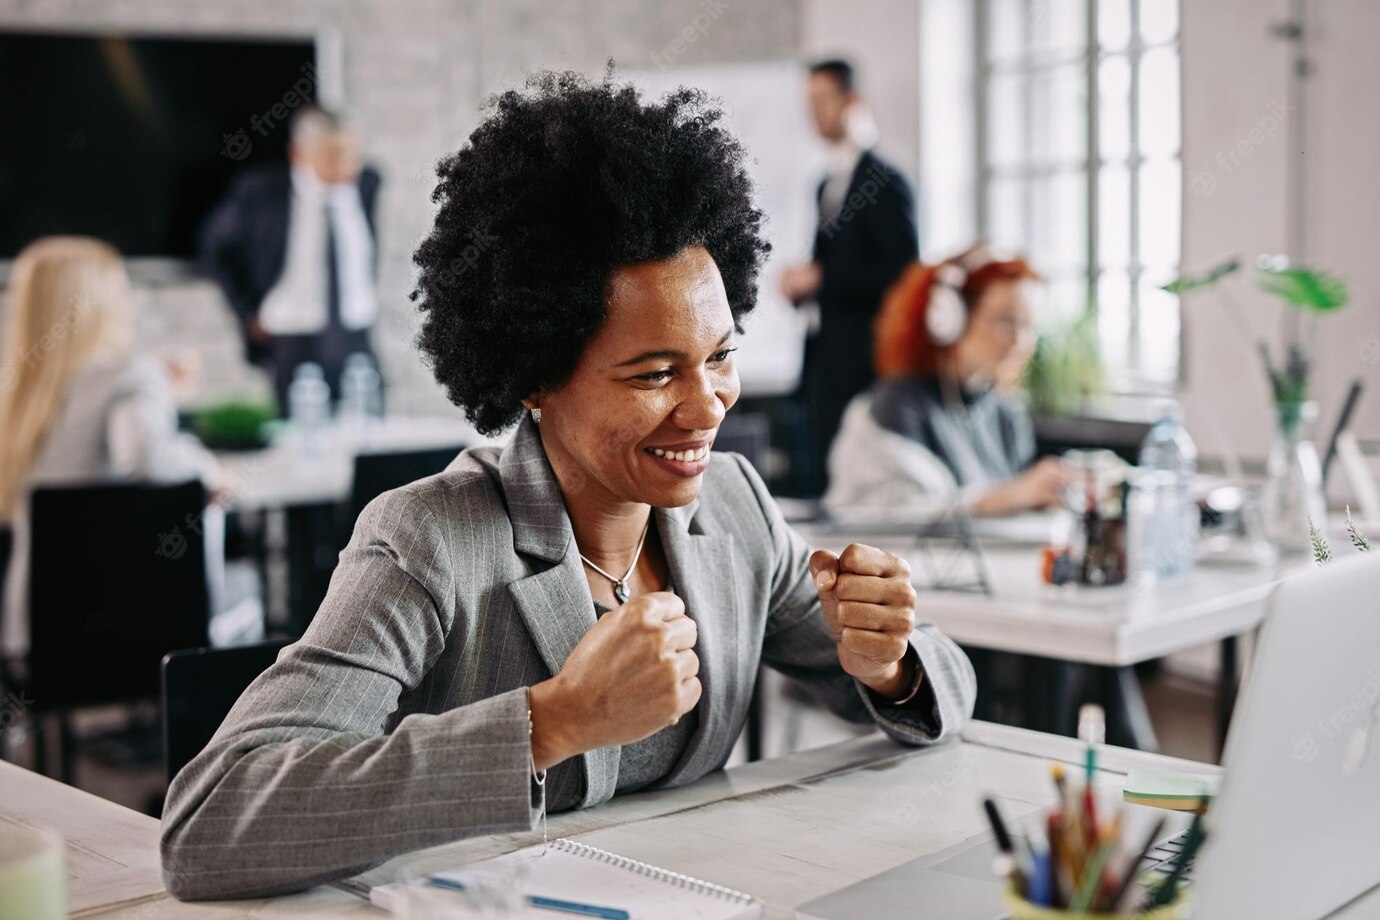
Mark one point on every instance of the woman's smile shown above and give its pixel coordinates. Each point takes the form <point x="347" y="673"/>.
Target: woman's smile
<point x="685" y="460"/>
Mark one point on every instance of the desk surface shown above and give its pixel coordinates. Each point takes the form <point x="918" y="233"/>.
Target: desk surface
<point x="1111" y="626"/>
<point x="284" y="474"/>
<point x="787" y="830"/>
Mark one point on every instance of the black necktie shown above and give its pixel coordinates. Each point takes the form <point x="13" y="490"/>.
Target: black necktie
<point x="332" y="274"/>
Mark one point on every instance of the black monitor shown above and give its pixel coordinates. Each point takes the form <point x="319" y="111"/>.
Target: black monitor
<point x="133" y="138"/>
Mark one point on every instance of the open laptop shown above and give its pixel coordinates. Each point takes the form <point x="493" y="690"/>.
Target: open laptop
<point x="1293" y="831"/>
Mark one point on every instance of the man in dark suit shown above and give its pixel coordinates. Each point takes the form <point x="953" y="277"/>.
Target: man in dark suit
<point x="865" y="237"/>
<point x="293" y="248"/>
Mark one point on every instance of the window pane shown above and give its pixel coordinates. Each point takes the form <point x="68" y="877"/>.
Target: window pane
<point x="1159" y="327"/>
<point x="1114" y="108"/>
<point x="1065" y="297"/>
<point x="1059" y="221"/>
<point x="1057" y="26"/>
<point x="1159" y="20"/>
<point x="1113" y="24"/>
<point x="1006" y="120"/>
<point x="1006" y="214"/>
<point x="1059" y="115"/>
<point x="1005" y="29"/>
<point x="1114" y="316"/>
<point x="1159" y="102"/>
<point x="1160" y="202"/>
<point x="1114" y="216"/>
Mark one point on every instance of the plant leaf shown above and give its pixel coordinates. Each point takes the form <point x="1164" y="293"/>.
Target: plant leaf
<point x="1306" y="289"/>
<point x="1358" y="539"/>
<point x="1187" y="283"/>
<point x="1321" y="551"/>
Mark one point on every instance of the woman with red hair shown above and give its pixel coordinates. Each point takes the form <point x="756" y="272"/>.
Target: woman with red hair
<point x="951" y="342"/>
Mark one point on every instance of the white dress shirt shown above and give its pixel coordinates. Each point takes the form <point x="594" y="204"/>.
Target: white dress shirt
<point x="297" y="303"/>
<point x="843" y="162"/>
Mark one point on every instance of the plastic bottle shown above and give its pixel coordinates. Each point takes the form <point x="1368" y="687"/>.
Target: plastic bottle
<point x="361" y="394"/>
<point x="1167" y="511"/>
<point x="309" y="409"/>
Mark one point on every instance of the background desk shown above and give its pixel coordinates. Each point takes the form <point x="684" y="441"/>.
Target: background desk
<point x="787" y="830"/>
<point x="1112" y="627"/>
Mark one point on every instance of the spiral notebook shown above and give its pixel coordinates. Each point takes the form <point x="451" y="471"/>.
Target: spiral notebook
<point x="571" y="871"/>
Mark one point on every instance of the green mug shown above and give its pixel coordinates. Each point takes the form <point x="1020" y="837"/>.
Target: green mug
<point x="33" y="881"/>
<point x="1021" y="909"/>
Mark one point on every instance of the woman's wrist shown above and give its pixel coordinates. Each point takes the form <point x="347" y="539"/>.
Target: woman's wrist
<point x="900" y="684"/>
<point x="552" y="724"/>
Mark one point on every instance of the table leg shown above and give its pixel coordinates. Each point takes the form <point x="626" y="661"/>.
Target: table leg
<point x="755" y="721"/>
<point x="1226" y="687"/>
<point x="1136" y="715"/>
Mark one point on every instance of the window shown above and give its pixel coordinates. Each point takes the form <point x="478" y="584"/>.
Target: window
<point x="1078" y="158"/>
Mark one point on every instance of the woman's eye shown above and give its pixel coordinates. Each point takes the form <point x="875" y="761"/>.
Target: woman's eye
<point x="656" y="376"/>
<point x="721" y="356"/>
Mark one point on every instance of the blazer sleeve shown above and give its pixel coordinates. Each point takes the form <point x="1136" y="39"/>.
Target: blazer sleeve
<point x="797" y="643"/>
<point x="305" y="782"/>
<point x="221" y="253"/>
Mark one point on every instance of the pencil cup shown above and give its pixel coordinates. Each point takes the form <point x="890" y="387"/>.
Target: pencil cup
<point x="33" y="882"/>
<point x="1021" y="909"/>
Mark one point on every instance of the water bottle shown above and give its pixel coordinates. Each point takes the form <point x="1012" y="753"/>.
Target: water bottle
<point x="309" y="409"/>
<point x="361" y="394"/>
<point x="1165" y="506"/>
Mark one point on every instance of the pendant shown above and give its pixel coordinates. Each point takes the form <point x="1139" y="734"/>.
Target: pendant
<point x="620" y="591"/>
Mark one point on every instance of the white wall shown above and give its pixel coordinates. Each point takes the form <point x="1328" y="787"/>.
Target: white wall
<point x="1235" y="201"/>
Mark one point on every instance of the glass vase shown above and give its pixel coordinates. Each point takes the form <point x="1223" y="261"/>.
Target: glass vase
<point x="1293" y="479"/>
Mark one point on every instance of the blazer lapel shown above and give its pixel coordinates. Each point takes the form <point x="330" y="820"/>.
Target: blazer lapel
<point x="554" y="601"/>
<point x="703" y="574"/>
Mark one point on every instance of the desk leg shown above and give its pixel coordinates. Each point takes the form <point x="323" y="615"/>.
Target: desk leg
<point x="1134" y="711"/>
<point x="1226" y="687"/>
<point x="755" y="721"/>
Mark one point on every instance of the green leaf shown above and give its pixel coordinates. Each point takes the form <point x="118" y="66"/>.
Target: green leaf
<point x="1187" y="283"/>
<point x="1358" y="539"/>
<point x="1321" y="551"/>
<point x="1305" y="289"/>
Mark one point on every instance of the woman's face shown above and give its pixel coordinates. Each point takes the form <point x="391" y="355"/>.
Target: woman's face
<point x="635" y="421"/>
<point x="999" y="335"/>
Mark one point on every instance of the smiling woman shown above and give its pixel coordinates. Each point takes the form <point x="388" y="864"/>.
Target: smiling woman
<point x="584" y="612"/>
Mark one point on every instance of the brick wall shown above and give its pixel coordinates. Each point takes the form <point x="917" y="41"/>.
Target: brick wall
<point x="415" y="73"/>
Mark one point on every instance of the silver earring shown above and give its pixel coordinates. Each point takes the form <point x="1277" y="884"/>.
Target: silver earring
<point x="536" y="415"/>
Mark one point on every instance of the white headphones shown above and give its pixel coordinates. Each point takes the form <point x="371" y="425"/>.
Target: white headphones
<point x="946" y="316"/>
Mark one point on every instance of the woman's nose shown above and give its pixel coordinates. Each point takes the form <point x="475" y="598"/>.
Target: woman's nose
<point x="704" y="409"/>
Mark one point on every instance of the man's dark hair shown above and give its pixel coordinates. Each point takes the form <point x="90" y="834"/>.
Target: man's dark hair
<point x="839" y="69"/>
<point x="565" y="182"/>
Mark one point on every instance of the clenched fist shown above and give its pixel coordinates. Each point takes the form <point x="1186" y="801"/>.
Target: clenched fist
<point x="869" y="606"/>
<point x="633" y="674"/>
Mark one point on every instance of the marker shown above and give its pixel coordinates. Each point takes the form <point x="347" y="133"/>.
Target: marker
<point x="567" y="907"/>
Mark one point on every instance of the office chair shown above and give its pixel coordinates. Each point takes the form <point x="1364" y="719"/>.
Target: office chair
<point x="200" y="685"/>
<point x="117" y="579"/>
<point x="378" y="473"/>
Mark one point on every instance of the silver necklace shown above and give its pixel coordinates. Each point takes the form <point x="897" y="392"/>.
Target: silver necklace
<point x="620" y="585"/>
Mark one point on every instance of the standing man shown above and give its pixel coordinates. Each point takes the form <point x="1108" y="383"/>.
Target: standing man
<point x="865" y="237"/>
<point x="293" y="247"/>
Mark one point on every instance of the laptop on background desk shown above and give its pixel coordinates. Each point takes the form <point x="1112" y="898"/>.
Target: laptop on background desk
<point x="1293" y="830"/>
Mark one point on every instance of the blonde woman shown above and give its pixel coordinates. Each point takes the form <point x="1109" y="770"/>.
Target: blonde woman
<point x="77" y="404"/>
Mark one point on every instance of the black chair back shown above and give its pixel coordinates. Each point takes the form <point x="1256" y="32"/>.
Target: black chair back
<point x="200" y="685"/>
<point x="378" y="473"/>
<point x="117" y="579"/>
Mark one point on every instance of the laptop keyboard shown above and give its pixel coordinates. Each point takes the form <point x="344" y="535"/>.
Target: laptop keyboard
<point x="1163" y="856"/>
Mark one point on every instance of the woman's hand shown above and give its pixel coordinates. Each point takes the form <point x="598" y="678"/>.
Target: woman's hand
<point x="1037" y="487"/>
<point x="869" y="607"/>
<point x="633" y="674"/>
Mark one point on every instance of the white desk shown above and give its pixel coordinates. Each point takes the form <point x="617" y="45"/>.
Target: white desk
<point x="1114" y="627"/>
<point x="282" y="475"/>
<point x="788" y="830"/>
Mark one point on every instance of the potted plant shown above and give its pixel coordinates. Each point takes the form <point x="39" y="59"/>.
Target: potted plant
<point x="1293" y="485"/>
<point x="1065" y="370"/>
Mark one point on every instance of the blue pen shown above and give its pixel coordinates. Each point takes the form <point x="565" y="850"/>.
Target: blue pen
<point x="569" y="907"/>
<point x="1039" y="892"/>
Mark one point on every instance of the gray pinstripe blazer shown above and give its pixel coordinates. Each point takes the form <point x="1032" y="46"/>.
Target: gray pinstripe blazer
<point x="399" y="721"/>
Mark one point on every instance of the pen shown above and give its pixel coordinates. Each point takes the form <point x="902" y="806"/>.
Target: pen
<point x="1133" y="869"/>
<point x="569" y="907"/>
<point x="1004" y="843"/>
<point x="1197" y="832"/>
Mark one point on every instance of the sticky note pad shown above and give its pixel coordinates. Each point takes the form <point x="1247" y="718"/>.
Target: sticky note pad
<point x="1164" y="789"/>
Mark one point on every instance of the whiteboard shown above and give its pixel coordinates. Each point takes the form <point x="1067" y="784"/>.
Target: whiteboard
<point x="765" y="107"/>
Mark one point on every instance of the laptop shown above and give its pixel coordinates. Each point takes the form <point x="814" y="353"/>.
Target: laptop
<point x="1293" y="828"/>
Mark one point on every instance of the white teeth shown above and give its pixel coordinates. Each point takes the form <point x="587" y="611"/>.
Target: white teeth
<point x="683" y="456"/>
